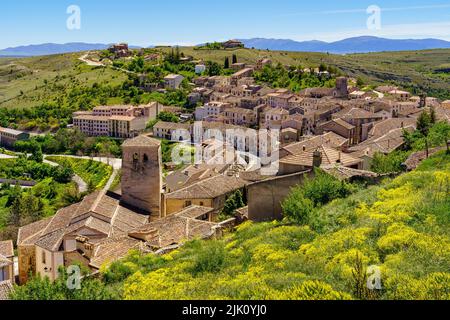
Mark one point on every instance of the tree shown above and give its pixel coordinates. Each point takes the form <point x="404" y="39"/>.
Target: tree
<point x="235" y="59"/>
<point x="168" y="117"/>
<point x="433" y="117"/>
<point x="391" y="163"/>
<point x="297" y="208"/>
<point x="15" y="213"/>
<point x="322" y="67"/>
<point x="360" y="82"/>
<point x="227" y="63"/>
<point x="424" y="123"/>
<point x="234" y="201"/>
<point x="36" y="152"/>
<point x="213" y="68"/>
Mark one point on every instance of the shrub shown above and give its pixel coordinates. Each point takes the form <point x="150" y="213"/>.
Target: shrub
<point x="324" y="188"/>
<point x="210" y="258"/>
<point x="297" y="207"/>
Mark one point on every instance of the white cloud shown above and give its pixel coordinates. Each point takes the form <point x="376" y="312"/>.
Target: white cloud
<point x="359" y="10"/>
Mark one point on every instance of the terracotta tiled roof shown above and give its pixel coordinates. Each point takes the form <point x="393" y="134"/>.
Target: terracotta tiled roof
<point x="171" y="126"/>
<point x="30" y="233"/>
<point x="343" y="123"/>
<point x="11" y="131"/>
<point x="344" y="173"/>
<point x="141" y="140"/>
<point x="6" y="287"/>
<point x="329" y="139"/>
<point x="354" y="113"/>
<point x="380" y="128"/>
<point x="113" y="249"/>
<point x="416" y="158"/>
<point x="7" y="248"/>
<point x="329" y="157"/>
<point x="175" y="229"/>
<point x="208" y="188"/>
<point x="98" y="211"/>
<point x="387" y="143"/>
<point x="4" y="261"/>
<point x="194" y="212"/>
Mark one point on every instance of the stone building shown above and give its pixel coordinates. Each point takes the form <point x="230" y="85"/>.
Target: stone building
<point x="6" y="261"/>
<point x="142" y="175"/>
<point x="173" y="81"/>
<point x="116" y="121"/>
<point x="211" y="192"/>
<point x="8" y="137"/>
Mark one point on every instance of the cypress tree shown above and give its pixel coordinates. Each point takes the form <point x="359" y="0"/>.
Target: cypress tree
<point x="227" y="63"/>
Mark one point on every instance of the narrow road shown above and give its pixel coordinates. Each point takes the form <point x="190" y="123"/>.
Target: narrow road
<point x="82" y="185"/>
<point x="89" y="62"/>
<point x="115" y="163"/>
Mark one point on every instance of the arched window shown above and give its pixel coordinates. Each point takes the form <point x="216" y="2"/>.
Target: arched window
<point x="135" y="161"/>
<point x="145" y="158"/>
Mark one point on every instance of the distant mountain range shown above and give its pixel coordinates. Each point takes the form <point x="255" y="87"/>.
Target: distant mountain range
<point x="53" y="48"/>
<point x="351" y="45"/>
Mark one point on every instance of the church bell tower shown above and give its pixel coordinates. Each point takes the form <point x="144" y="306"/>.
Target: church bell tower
<point x="141" y="174"/>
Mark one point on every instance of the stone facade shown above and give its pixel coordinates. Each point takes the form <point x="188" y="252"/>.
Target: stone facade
<point x="265" y="197"/>
<point x="27" y="262"/>
<point x="141" y="174"/>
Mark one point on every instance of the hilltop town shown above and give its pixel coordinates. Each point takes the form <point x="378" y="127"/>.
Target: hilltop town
<point x="249" y="133"/>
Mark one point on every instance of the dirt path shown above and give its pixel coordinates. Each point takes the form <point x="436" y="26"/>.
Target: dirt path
<point x="89" y="62"/>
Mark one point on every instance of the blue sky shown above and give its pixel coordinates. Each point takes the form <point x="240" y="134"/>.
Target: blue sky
<point x="146" y="22"/>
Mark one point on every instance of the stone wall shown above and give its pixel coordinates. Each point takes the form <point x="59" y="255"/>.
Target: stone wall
<point x="27" y="262"/>
<point x="265" y="197"/>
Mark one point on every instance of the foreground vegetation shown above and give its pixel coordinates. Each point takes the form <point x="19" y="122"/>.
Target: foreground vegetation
<point x="401" y="226"/>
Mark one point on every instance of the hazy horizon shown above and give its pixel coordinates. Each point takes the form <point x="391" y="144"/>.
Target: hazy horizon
<point x="144" y="23"/>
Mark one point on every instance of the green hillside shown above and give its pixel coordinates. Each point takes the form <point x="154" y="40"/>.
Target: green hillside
<point x="33" y="81"/>
<point x="401" y="226"/>
<point x="424" y="70"/>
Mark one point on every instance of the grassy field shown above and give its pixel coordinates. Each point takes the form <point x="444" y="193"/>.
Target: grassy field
<point x="31" y="81"/>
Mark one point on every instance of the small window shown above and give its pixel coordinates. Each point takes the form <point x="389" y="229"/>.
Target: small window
<point x="145" y="158"/>
<point x="43" y="258"/>
<point x="187" y="204"/>
<point x="201" y="203"/>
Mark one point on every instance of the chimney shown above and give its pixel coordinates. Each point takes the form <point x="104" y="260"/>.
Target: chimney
<point x="339" y="158"/>
<point x="317" y="159"/>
